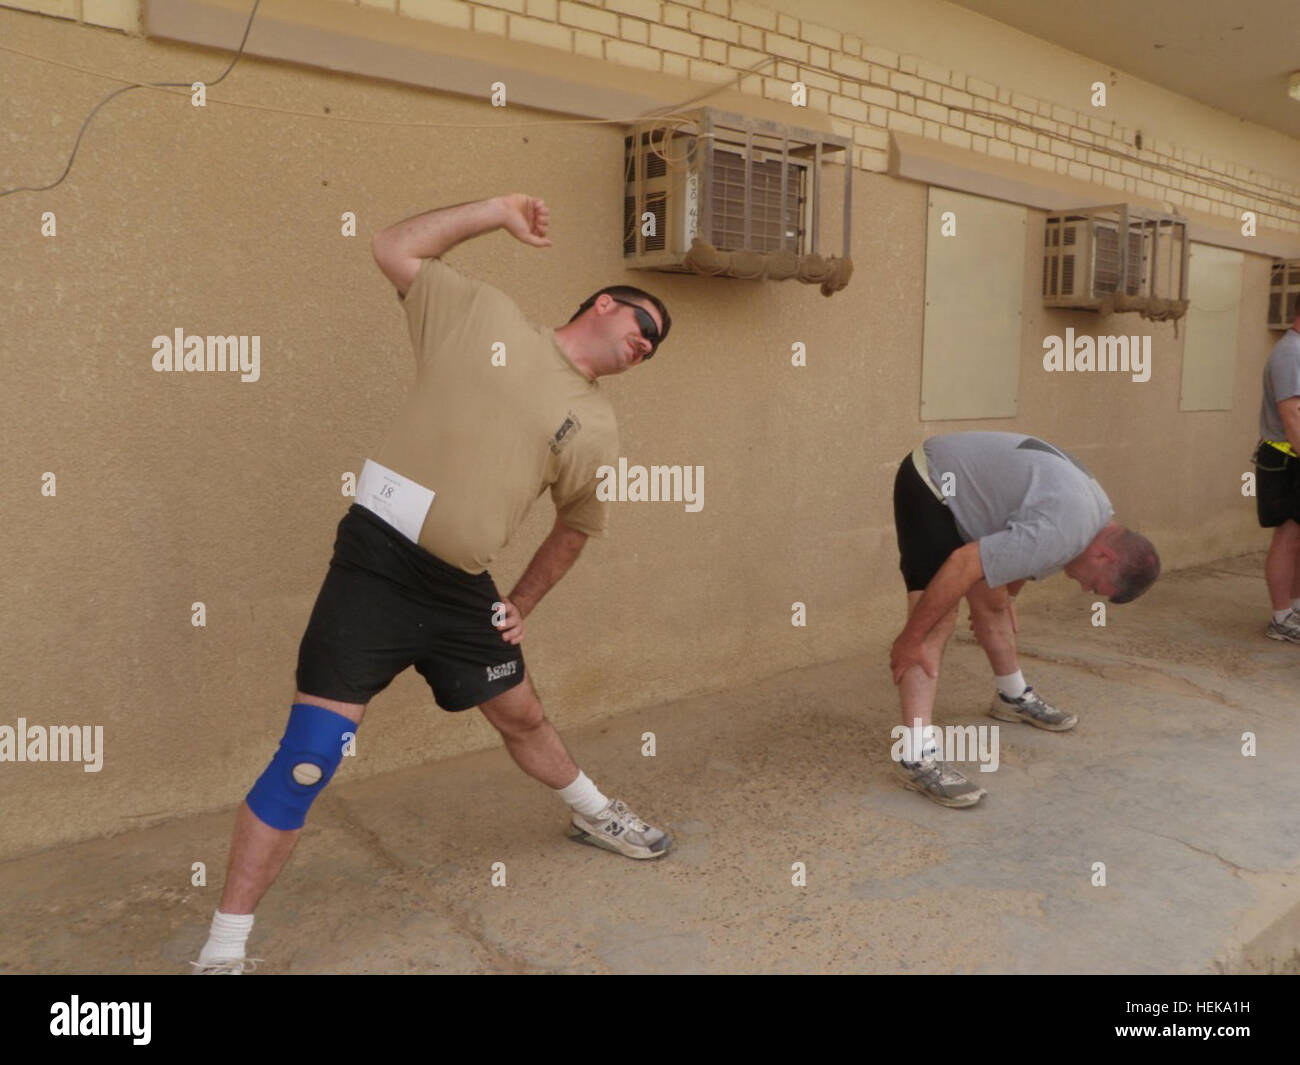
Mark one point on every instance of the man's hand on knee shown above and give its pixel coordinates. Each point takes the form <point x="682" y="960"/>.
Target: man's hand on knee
<point x="908" y="653"/>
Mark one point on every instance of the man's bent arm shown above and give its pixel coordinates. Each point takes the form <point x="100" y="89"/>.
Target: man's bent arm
<point x="399" y="249"/>
<point x="552" y="561"/>
<point x="954" y="579"/>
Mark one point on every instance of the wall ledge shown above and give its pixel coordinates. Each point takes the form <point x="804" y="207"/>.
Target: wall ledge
<point x="383" y="45"/>
<point x="932" y="162"/>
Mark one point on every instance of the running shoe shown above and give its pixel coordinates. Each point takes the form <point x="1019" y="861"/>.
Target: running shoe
<point x="617" y="828"/>
<point x="1286" y="629"/>
<point x="1032" y="709"/>
<point x="225" y="967"/>
<point x="938" y="782"/>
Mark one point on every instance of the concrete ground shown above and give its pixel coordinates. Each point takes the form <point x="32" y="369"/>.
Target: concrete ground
<point x="393" y="874"/>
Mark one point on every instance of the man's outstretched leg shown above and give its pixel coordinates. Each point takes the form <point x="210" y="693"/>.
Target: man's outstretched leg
<point x="992" y="616"/>
<point x="538" y="750"/>
<point x="270" y="819"/>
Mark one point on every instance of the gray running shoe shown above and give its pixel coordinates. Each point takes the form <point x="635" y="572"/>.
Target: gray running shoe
<point x="226" y="967"/>
<point x="1032" y="709"/>
<point x="938" y="782"/>
<point x="617" y="828"/>
<point x="1286" y="629"/>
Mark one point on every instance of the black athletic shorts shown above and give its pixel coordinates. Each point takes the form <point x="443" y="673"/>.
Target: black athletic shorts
<point x="386" y="604"/>
<point x="1277" y="486"/>
<point x="927" y="531"/>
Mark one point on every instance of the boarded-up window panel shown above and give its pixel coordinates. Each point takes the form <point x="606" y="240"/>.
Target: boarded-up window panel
<point x="1213" y="316"/>
<point x="974" y="291"/>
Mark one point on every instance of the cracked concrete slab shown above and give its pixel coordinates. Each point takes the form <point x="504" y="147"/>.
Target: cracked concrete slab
<point x="394" y="873"/>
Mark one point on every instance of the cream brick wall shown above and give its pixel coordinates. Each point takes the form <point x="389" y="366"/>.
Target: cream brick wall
<point x="862" y="85"/>
<point x="869" y="90"/>
<point x="445" y="12"/>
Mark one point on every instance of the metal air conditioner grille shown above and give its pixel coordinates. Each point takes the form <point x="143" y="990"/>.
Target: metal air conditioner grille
<point x="1070" y="239"/>
<point x="1106" y="269"/>
<point x="1059" y="265"/>
<point x="1119" y="257"/>
<point x="656" y="203"/>
<point x="764" y="204"/>
<point x="719" y="193"/>
<point x="1137" y="263"/>
<point x="1284" y="293"/>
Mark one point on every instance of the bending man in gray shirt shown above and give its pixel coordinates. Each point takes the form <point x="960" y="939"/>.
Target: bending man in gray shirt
<point x="977" y="515"/>
<point x="1277" y="482"/>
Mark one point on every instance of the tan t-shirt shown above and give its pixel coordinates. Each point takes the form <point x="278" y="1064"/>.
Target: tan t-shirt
<point x="489" y="439"/>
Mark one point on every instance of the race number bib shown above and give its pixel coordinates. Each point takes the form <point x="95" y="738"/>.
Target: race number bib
<point x="397" y="499"/>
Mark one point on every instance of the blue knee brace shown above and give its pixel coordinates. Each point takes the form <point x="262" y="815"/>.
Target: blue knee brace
<point x="309" y="753"/>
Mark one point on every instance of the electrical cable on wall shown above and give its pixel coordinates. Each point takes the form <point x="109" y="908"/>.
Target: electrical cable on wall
<point x="669" y="114"/>
<point x="125" y="89"/>
<point x="665" y="112"/>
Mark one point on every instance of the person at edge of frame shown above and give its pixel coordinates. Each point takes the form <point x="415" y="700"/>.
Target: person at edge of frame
<point x="1277" y="482"/>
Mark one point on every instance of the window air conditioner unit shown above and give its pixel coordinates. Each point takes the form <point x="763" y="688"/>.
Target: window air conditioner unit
<point x="739" y="184"/>
<point x="1116" y="258"/>
<point x="1284" y="293"/>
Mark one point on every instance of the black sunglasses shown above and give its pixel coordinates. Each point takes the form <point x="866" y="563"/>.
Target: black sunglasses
<point x="646" y="323"/>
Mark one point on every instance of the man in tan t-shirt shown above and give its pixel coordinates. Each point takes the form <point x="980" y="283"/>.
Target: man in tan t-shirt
<point x="500" y="411"/>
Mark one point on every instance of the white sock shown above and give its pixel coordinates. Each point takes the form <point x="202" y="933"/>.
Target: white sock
<point x="1012" y="685"/>
<point x="923" y="739"/>
<point x="1295" y="605"/>
<point x="227" y="938"/>
<point x="1278" y="615"/>
<point x="583" y="796"/>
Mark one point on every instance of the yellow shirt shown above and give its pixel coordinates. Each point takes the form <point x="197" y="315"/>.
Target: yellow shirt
<point x="488" y="439"/>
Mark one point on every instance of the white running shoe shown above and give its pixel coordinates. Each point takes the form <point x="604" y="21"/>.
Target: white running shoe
<point x="1286" y="629"/>
<point x="617" y="828"/>
<point x="1032" y="709"/>
<point x="225" y="967"/>
<point x="938" y="782"/>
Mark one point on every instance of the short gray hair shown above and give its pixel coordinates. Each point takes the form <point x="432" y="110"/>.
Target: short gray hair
<point x="1137" y="567"/>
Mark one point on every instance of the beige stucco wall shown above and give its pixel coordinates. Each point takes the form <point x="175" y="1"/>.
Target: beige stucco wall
<point x="180" y="488"/>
